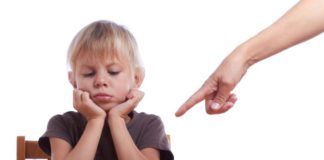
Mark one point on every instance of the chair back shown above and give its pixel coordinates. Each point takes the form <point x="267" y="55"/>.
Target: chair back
<point x="29" y="149"/>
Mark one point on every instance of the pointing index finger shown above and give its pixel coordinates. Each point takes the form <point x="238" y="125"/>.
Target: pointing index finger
<point x="193" y="100"/>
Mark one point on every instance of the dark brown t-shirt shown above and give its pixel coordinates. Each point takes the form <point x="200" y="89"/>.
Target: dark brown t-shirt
<point x="146" y="130"/>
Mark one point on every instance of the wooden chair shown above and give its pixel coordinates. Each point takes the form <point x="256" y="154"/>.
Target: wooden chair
<point x="169" y="138"/>
<point x="29" y="149"/>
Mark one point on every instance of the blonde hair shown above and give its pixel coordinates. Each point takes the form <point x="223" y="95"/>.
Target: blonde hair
<point x="101" y="40"/>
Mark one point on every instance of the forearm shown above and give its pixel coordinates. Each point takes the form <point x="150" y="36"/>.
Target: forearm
<point x="87" y="145"/>
<point x="302" y="22"/>
<point x="124" y="145"/>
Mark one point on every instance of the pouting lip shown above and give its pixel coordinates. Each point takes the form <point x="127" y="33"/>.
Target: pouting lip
<point x="101" y="94"/>
<point x="102" y="97"/>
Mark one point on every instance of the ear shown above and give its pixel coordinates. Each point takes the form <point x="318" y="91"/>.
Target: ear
<point x="72" y="80"/>
<point x="139" y="76"/>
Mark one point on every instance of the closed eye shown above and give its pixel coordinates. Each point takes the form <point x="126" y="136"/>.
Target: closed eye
<point x="113" y="73"/>
<point x="90" y="74"/>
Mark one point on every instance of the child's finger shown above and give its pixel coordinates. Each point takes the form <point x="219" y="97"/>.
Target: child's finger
<point x="135" y="97"/>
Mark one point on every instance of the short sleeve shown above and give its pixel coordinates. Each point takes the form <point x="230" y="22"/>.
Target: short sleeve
<point x="154" y="137"/>
<point x="60" y="126"/>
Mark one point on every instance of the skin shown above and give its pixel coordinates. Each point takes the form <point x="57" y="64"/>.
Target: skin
<point x="104" y="93"/>
<point x="302" y="22"/>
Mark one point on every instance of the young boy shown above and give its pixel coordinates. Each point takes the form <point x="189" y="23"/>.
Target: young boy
<point x="106" y="74"/>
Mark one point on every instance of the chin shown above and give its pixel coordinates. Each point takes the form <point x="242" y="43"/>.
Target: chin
<point x="107" y="107"/>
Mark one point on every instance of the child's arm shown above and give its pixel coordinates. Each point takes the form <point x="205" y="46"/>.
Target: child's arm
<point x="86" y="147"/>
<point x="124" y="145"/>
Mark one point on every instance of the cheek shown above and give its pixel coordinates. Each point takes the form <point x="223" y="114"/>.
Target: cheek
<point x="82" y="85"/>
<point x="124" y="88"/>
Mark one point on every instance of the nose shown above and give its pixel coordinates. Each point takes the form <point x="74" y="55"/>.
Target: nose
<point x="101" y="80"/>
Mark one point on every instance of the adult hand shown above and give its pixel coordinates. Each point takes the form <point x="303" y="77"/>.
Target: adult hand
<point x="83" y="104"/>
<point x="217" y="88"/>
<point x="294" y="25"/>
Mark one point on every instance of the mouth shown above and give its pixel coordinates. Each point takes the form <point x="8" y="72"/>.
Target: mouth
<point x="102" y="97"/>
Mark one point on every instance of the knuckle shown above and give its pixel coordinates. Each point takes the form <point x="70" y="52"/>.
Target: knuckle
<point x="228" y="83"/>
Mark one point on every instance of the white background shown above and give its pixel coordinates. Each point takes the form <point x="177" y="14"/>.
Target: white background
<point x="279" y="114"/>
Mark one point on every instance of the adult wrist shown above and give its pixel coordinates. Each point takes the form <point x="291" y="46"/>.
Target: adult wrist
<point x="242" y="57"/>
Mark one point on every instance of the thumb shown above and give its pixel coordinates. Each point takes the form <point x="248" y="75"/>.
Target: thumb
<point x="220" y="98"/>
<point x="193" y="100"/>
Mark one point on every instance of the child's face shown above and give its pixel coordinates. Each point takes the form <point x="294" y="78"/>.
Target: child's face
<point x="108" y="82"/>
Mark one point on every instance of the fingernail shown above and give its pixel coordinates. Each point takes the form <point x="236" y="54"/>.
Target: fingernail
<point x="215" y="106"/>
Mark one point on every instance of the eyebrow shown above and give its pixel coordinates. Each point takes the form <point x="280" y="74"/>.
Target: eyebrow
<point x="106" y="65"/>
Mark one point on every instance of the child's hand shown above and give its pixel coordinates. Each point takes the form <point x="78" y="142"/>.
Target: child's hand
<point x="122" y="110"/>
<point x="83" y="104"/>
